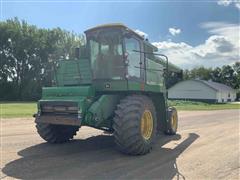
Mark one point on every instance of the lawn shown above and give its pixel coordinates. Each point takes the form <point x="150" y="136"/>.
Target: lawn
<point x="17" y="109"/>
<point x="193" y="105"/>
<point x="27" y="109"/>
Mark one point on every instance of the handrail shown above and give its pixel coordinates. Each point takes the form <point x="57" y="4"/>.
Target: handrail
<point x="158" y="54"/>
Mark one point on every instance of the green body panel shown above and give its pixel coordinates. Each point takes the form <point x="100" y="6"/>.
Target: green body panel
<point x="101" y="112"/>
<point x="95" y="111"/>
<point x="154" y="77"/>
<point x="73" y="72"/>
<point x="67" y="92"/>
<point x="81" y="94"/>
<point x="137" y="86"/>
<point x="126" y="85"/>
<point x="110" y="85"/>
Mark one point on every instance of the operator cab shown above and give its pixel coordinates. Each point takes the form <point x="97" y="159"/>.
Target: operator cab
<point x="116" y="53"/>
<point x="106" y="52"/>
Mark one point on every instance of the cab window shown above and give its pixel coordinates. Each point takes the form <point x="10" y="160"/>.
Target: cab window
<point x="106" y="54"/>
<point x="132" y="44"/>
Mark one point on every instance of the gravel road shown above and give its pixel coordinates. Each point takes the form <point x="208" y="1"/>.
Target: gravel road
<point x="206" y="147"/>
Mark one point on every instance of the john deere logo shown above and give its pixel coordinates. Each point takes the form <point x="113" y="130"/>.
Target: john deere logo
<point x="107" y="86"/>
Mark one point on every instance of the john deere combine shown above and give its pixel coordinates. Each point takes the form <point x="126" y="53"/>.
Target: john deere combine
<point x="116" y="83"/>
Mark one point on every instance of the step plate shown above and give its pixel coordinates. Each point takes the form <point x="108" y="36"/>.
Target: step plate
<point x="72" y="120"/>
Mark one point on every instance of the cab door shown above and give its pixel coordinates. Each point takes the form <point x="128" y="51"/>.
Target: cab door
<point x="135" y="69"/>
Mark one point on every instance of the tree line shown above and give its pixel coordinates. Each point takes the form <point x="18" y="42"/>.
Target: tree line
<point x="25" y="51"/>
<point x="227" y="74"/>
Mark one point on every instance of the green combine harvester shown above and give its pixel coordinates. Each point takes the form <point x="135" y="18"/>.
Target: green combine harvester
<point x="116" y="83"/>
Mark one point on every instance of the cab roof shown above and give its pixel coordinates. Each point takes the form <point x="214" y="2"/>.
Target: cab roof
<point x="120" y="25"/>
<point x="117" y="25"/>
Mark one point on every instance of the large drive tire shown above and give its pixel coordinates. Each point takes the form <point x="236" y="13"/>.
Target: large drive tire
<point x="172" y="121"/>
<point x="135" y="125"/>
<point x="56" y="133"/>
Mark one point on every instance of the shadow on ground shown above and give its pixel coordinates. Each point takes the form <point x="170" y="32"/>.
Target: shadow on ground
<point x="97" y="158"/>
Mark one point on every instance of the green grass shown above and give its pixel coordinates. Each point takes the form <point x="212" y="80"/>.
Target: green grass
<point x="27" y="109"/>
<point x="17" y="109"/>
<point x="193" y="105"/>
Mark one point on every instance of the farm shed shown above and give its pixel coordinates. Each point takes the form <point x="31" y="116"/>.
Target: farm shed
<point x="200" y="90"/>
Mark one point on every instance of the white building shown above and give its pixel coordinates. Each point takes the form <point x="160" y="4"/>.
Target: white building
<point x="200" y="90"/>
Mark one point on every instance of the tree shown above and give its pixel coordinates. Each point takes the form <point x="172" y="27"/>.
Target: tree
<point x="25" y="51"/>
<point x="186" y="74"/>
<point x="216" y="75"/>
<point x="198" y="73"/>
<point x="236" y="68"/>
<point x="228" y="74"/>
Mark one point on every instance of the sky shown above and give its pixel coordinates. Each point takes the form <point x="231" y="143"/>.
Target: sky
<point x="191" y="33"/>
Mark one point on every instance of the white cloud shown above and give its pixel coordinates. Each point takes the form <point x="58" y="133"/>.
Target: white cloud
<point x="174" y="31"/>
<point x="221" y="48"/>
<point x="237" y="5"/>
<point x="224" y="2"/>
<point x="229" y="2"/>
<point x="141" y="33"/>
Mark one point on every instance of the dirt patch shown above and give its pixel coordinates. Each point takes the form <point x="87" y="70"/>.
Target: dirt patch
<point x="206" y="146"/>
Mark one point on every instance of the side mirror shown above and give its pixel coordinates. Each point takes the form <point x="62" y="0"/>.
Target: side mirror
<point x="77" y="53"/>
<point x="81" y="52"/>
<point x="180" y="75"/>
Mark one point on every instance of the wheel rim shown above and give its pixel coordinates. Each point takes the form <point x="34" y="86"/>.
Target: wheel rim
<point x="146" y="125"/>
<point x="174" y="121"/>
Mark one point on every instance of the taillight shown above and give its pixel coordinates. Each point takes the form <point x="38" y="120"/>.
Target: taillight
<point x="47" y="108"/>
<point x="72" y="108"/>
<point x="60" y="108"/>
